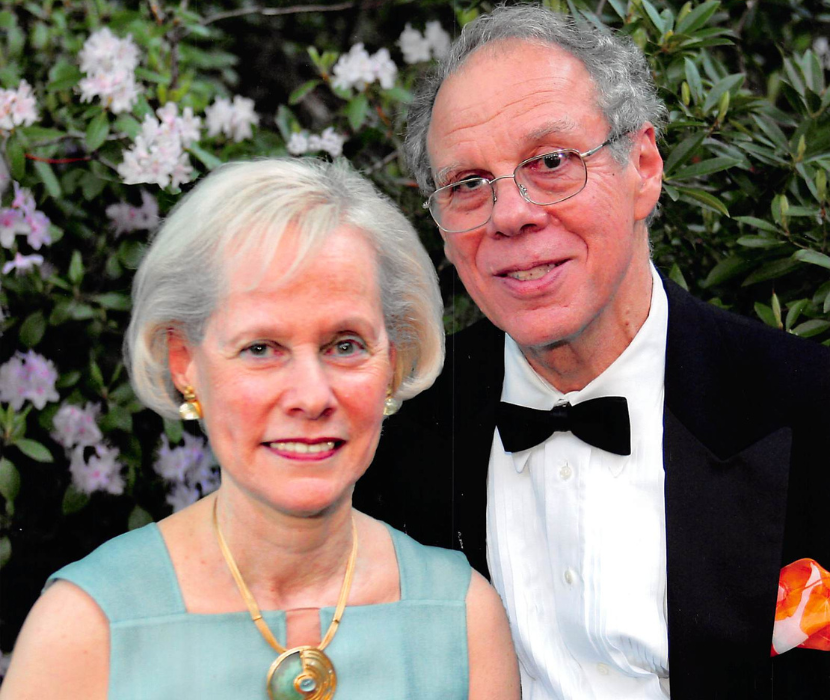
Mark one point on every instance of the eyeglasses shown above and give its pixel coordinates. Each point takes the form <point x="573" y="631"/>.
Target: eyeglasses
<point x="544" y="180"/>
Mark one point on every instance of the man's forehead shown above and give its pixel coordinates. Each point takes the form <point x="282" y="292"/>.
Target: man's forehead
<point x="553" y="129"/>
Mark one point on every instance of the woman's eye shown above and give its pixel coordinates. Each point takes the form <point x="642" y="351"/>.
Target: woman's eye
<point x="346" y="347"/>
<point x="470" y="184"/>
<point x="257" y="349"/>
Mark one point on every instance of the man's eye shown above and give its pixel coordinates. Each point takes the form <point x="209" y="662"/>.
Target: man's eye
<point x="551" y="161"/>
<point x="470" y="184"/>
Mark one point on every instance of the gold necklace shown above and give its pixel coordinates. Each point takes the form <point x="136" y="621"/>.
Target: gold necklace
<point x="305" y="672"/>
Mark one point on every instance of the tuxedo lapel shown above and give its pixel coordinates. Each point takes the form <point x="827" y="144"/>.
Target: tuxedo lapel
<point x="727" y="472"/>
<point x="477" y="359"/>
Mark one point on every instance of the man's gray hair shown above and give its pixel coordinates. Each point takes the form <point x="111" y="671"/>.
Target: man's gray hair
<point x="244" y="208"/>
<point x="625" y="91"/>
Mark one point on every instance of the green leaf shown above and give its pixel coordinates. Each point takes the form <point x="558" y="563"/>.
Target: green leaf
<point x="697" y="17"/>
<point x="813" y="257"/>
<point x="151" y="76"/>
<point x="97" y="131"/>
<point x="794" y="312"/>
<point x="96" y="378"/>
<point x="725" y="270"/>
<point x="209" y="160"/>
<point x="34" y="450"/>
<point x="766" y="314"/>
<point x="47" y="176"/>
<point x="770" y="271"/>
<point x="114" y="301"/>
<point x="40" y="133"/>
<point x="681" y="153"/>
<point x="127" y="124"/>
<point x="676" y="275"/>
<point x="705" y="167"/>
<point x="653" y="15"/>
<point x="693" y="78"/>
<point x="727" y="84"/>
<point x="32" y="329"/>
<point x="174" y="429"/>
<point x="706" y="199"/>
<point x="760" y="224"/>
<point x="298" y="94"/>
<point x="73" y="500"/>
<point x="9" y="481"/>
<point x="810" y="328"/>
<point x="357" y="110"/>
<point x="759" y="242"/>
<point x="5" y="550"/>
<point x="399" y="94"/>
<point x="138" y="518"/>
<point x="118" y="418"/>
<point x="76" y="268"/>
<point x="16" y="158"/>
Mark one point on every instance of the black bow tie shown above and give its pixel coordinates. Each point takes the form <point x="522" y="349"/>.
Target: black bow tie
<point x="600" y="422"/>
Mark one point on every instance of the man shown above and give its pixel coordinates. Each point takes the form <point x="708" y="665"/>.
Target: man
<point x="633" y="563"/>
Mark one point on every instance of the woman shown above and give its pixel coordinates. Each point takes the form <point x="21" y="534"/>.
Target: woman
<point x="287" y="306"/>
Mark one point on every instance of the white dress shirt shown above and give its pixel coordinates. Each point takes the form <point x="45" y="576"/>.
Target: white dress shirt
<point x="576" y="536"/>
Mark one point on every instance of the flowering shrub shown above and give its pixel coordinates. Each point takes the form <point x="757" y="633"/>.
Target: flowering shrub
<point x="106" y="112"/>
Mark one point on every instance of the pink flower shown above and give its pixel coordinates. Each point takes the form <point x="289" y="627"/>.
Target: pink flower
<point x="22" y="264"/>
<point x="101" y="472"/>
<point x="28" y="377"/>
<point x="77" y="426"/>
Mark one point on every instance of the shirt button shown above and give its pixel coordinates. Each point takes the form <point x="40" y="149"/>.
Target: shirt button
<point x="603" y="669"/>
<point x="565" y="472"/>
<point x="570" y="576"/>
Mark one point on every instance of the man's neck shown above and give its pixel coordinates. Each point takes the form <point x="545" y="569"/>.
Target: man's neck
<point x="573" y="364"/>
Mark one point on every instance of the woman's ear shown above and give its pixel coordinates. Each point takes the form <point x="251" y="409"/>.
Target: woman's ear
<point x="180" y="360"/>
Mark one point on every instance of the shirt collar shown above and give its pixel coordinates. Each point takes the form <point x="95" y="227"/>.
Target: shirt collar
<point x="637" y="374"/>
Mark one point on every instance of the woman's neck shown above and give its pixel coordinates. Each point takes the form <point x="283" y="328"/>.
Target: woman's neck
<point x="287" y="562"/>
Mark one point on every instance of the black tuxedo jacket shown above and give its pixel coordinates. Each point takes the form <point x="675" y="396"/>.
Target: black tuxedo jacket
<point x="747" y="490"/>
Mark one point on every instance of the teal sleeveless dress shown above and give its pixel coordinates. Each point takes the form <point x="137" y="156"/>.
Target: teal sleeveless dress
<point x="413" y="649"/>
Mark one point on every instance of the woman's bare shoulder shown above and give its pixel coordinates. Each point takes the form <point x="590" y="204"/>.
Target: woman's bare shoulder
<point x="494" y="669"/>
<point x="62" y="650"/>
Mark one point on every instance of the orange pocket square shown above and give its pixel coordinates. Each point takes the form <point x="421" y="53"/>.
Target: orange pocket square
<point x="802" y="613"/>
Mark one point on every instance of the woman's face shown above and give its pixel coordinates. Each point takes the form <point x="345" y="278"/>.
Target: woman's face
<point x="292" y="375"/>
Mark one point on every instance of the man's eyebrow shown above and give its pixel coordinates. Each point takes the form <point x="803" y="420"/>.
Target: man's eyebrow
<point x="559" y="126"/>
<point x="556" y="126"/>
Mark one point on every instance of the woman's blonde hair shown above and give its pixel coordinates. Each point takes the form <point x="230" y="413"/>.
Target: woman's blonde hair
<point x="248" y="206"/>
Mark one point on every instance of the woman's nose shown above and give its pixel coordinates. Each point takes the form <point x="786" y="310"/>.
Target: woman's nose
<point x="309" y="392"/>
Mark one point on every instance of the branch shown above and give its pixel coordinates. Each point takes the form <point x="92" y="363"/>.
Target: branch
<point x="294" y="10"/>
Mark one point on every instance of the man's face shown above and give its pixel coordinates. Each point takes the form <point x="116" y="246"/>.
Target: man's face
<point x="545" y="274"/>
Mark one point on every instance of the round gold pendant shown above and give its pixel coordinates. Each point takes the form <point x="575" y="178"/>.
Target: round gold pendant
<point x="302" y="673"/>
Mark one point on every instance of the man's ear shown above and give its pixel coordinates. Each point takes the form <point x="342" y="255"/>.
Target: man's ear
<point x="180" y="360"/>
<point x="649" y="165"/>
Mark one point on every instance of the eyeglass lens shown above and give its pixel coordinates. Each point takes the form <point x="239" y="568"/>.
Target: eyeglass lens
<point x="544" y="180"/>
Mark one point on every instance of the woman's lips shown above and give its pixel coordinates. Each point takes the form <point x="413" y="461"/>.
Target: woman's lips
<point x="306" y="449"/>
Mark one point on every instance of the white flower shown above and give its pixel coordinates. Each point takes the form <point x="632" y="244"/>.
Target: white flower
<point x="190" y="468"/>
<point x="22" y="264"/>
<point x="415" y="47"/>
<point x="232" y="119"/>
<point x="356" y="69"/>
<point x="102" y="472"/>
<point x="439" y="40"/>
<point x="298" y="143"/>
<point x="329" y="141"/>
<point x="77" y="426"/>
<point x="11" y="223"/>
<point x="125" y="217"/>
<point x="28" y="377"/>
<point x="17" y="107"/>
<point x="158" y="155"/>
<point x="182" y="495"/>
<point x="109" y="64"/>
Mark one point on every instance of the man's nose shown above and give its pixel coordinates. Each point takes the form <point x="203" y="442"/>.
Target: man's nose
<point x="309" y="392"/>
<point x="512" y="213"/>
